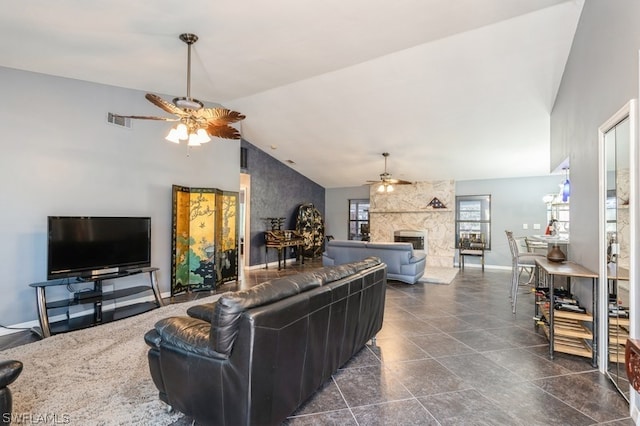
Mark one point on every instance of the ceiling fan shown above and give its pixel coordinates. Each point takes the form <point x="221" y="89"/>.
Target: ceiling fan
<point x="386" y="182"/>
<point x="196" y="123"/>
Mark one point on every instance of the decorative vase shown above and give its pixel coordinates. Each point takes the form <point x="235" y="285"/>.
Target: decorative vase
<point x="556" y="255"/>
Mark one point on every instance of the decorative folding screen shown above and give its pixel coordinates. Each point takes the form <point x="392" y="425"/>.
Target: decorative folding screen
<point x="204" y="238"/>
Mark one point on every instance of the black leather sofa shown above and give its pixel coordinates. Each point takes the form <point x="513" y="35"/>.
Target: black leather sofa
<point x="9" y="371"/>
<point x="254" y="356"/>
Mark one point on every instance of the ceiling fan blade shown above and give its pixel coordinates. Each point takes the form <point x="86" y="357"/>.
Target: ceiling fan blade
<point x="223" y="131"/>
<point x="398" y="182"/>
<point x="146" y="117"/>
<point x="164" y="105"/>
<point x="218" y="116"/>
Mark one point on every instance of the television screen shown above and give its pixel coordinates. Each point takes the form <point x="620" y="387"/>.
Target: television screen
<point x="80" y="246"/>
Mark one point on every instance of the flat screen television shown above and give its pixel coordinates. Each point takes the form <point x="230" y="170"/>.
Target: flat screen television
<point x="80" y="246"/>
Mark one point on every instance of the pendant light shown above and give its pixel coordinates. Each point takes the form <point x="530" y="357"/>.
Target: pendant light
<point x="566" y="187"/>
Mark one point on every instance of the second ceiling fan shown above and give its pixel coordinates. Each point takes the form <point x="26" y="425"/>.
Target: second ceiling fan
<point x="386" y="182"/>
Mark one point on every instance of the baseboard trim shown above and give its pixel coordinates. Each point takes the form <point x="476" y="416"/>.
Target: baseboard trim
<point x="17" y="328"/>
<point x="479" y="266"/>
<point x="272" y="265"/>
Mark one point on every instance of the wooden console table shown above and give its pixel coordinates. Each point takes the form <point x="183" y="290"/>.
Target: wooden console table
<point x="280" y="240"/>
<point x="566" y="330"/>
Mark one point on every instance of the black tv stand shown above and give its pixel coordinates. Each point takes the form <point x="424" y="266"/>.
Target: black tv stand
<point x="91" y="302"/>
<point x="88" y="294"/>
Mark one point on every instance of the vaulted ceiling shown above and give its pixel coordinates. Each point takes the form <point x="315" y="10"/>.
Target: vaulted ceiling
<point x="453" y="89"/>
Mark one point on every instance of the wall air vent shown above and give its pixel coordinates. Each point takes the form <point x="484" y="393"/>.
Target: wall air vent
<point x="118" y="120"/>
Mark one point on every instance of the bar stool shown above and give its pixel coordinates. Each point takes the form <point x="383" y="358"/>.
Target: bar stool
<point x="519" y="263"/>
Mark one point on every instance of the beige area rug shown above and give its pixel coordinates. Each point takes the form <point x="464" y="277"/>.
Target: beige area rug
<point x="95" y="376"/>
<point x="438" y="275"/>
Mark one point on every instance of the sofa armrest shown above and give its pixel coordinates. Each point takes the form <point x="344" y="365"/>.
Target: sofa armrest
<point x="416" y="265"/>
<point x="190" y="335"/>
<point x="203" y="312"/>
<point x="9" y="371"/>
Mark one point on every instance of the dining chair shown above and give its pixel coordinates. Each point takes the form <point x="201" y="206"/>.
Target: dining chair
<point x="471" y="244"/>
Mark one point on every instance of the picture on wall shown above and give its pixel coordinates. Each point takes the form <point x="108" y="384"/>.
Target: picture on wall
<point x="204" y="238"/>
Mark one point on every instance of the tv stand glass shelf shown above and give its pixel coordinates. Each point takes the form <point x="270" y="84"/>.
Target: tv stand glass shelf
<point x="93" y="306"/>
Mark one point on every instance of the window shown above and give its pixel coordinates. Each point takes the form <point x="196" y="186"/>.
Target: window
<point x="473" y="216"/>
<point x="359" y="220"/>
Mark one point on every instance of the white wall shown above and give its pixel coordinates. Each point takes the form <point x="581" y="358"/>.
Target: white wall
<point x="60" y="157"/>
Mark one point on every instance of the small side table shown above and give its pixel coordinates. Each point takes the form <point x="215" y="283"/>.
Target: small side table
<point x="280" y="240"/>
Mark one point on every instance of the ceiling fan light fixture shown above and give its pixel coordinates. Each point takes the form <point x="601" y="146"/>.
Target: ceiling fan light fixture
<point x="182" y="131"/>
<point x="173" y="136"/>
<point x="203" y="135"/>
<point x="194" y="140"/>
<point x="385" y="187"/>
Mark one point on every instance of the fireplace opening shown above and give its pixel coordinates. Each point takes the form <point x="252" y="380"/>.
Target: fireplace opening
<point x="416" y="238"/>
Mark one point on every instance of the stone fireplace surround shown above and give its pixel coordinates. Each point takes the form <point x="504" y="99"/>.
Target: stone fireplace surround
<point x="406" y="208"/>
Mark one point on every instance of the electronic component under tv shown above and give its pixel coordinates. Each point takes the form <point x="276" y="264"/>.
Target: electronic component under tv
<point x="81" y="246"/>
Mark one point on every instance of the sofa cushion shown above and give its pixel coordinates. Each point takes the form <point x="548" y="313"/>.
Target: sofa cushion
<point x="403" y="263"/>
<point x="330" y="274"/>
<point x="391" y="246"/>
<point x="231" y="305"/>
<point x="347" y="243"/>
<point x="303" y="281"/>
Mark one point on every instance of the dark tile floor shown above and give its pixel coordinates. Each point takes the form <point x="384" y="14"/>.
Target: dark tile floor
<point x="451" y="355"/>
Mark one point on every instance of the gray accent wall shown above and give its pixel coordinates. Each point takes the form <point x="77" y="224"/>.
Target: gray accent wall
<point x="600" y="77"/>
<point x="277" y="190"/>
<point x="61" y="157"/>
